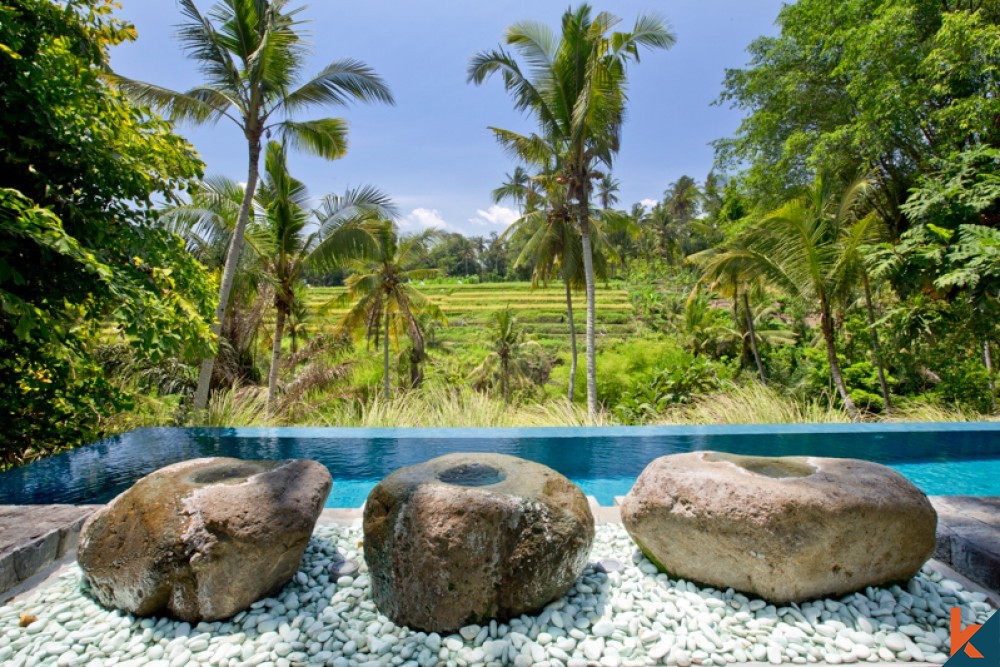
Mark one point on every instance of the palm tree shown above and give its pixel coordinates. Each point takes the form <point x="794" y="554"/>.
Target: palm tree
<point x="682" y="199"/>
<point x="285" y="239"/>
<point x="670" y="235"/>
<point x="704" y="326"/>
<point x="575" y="88"/>
<point x="516" y="188"/>
<point x="252" y="55"/>
<point x="607" y="191"/>
<point x="507" y="359"/>
<point x="287" y="245"/>
<point x="808" y="248"/>
<point x="554" y="249"/>
<point x="726" y="270"/>
<point x="381" y="290"/>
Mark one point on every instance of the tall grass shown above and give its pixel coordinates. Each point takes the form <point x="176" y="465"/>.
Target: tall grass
<point x="444" y="406"/>
<point x="754" y="403"/>
<point x="245" y="406"/>
<point x="439" y="406"/>
<point x="924" y="411"/>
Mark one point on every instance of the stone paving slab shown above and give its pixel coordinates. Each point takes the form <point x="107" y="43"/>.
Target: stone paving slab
<point x="969" y="536"/>
<point x="34" y="537"/>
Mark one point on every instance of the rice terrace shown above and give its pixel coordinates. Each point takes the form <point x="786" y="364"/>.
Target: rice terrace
<point x="455" y="334"/>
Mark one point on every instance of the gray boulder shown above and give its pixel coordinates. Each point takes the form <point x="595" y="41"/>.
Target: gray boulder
<point x="465" y="538"/>
<point x="785" y="529"/>
<point x="203" y="539"/>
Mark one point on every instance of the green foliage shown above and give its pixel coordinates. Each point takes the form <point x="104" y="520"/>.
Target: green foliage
<point x="79" y="247"/>
<point x="862" y="382"/>
<point x="885" y="85"/>
<point x="510" y="363"/>
<point x="627" y="364"/>
<point x="667" y="387"/>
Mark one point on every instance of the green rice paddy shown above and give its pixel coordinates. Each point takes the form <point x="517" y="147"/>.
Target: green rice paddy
<point x="540" y="310"/>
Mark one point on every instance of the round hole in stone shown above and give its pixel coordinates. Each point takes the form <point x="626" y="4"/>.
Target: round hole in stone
<point x="778" y="468"/>
<point x="471" y="474"/>
<point x="223" y="473"/>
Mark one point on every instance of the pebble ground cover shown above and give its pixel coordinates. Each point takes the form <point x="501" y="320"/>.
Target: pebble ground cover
<point x="621" y="612"/>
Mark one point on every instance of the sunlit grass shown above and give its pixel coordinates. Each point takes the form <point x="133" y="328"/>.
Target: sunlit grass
<point x="754" y="403"/>
<point x="440" y="406"/>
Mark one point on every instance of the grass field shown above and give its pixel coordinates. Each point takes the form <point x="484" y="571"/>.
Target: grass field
<point x="541" y="311"/>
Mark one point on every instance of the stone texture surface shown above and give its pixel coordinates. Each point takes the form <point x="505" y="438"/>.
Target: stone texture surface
<point x="203" y="539"/>
<point x="785" y="529"/>
<point x="502" y="537"/>
<point x="33" y="537"/>
<point x="968" y="536"/>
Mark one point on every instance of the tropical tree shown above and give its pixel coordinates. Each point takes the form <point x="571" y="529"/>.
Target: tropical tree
<point x="705" y="329"/>
<point x="508" y="359"/>
<point x="607" y="191"/>
<point x="380" y="291"/>
<point x="80" y="251"/>
<point x="252" y="54"/>
<point x="285" y="238"/>
<point x="809" y="248"/>
<point x="728" y="271"/>
<point x="553" y="250"/>
<point x="682" y="199"/>
<point x="574" y="86"/>
<point x="287" y="244"/>
<point x="517" y="188"/>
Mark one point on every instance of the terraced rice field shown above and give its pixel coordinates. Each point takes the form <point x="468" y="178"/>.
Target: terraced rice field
<point x="542" y="311"/>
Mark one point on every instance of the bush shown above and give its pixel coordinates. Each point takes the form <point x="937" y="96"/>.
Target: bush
<point x="677" y="385"/>
<point x="620" y="366"/>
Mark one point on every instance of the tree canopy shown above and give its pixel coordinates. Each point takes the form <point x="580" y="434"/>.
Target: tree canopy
<point x="81" y="169"/>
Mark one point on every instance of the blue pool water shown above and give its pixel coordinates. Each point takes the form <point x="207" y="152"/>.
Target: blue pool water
<point x="945" y="459"/>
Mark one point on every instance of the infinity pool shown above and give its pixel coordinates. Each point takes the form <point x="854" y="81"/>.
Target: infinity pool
<point x="942" y="459"/>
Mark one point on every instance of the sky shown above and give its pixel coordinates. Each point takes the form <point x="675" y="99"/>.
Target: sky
<point x="432" y="151"/>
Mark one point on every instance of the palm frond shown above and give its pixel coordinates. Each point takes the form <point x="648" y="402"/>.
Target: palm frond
<point x="177" y="106"/>
<point x="339" y="83"/>
<point x="326" y="138"/>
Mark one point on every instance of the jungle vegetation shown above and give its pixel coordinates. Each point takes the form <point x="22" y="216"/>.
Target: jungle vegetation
<point x="841" y="261"/>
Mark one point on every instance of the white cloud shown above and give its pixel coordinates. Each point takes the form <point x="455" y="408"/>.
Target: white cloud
<point x="649" y="203"/>
<point x="496" y="215"/>
<point x="423" y="218"/>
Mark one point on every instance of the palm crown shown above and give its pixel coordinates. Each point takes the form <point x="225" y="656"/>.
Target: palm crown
<point x="380" y="293"/>
<point x="251" y="53"/>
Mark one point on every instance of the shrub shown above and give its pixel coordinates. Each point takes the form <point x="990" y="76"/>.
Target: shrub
<point x="669" y="386"/>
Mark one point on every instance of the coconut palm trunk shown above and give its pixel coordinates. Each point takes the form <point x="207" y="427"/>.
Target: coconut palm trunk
<point x="876" y="350"/>
<point x="588" y="268"/>
<point x="572" y="342"/>
<point x="988" y="360"/>
<point x="279" y="330"/>
<point x="505" y="379"/>
<point x="826" y="326"/>
<point x="229" y="269"/>
<point x="416" y="369"/>
<point x="753" y="337"/>
<point x="385" y="355"/>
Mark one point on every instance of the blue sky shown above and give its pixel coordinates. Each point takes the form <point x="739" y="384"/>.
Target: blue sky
<point x="432" y="151"/>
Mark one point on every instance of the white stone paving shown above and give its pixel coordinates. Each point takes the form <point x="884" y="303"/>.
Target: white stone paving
<point x="630" y="617"/>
